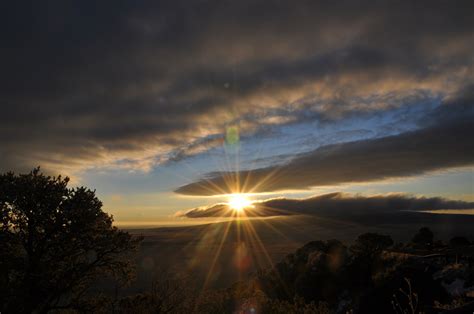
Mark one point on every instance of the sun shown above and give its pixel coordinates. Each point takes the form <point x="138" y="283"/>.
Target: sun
<point x="238" y="202"/>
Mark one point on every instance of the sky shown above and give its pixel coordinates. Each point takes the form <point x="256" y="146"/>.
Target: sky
<point x="165" y="106"/>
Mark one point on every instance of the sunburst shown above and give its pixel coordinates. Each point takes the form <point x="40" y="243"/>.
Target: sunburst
<point x="238" y="202"/>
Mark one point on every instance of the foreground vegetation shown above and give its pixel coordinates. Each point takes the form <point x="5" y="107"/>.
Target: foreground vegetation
<point x="56" y="243"/>
<point x="373" y="275"/>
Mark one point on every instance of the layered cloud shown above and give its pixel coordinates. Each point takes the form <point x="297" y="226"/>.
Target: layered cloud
<point x="334" y="204"/>
<point x="445" y="142"/>
<point x="136" y="85"/>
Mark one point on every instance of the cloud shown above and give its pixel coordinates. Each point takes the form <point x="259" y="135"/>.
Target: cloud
<point x="139" y="84"/>
<point x="445" y="143"/>
<point x="335" y="204"/>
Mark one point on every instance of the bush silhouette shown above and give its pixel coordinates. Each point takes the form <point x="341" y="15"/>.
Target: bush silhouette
<point x="54" y="242"/>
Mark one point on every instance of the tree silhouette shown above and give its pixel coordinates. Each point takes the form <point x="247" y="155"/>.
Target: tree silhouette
<point x="423" y="237"/>
<point x="459" y="245"/>
<point x="54" y="242"/>
<point x="459" y="242"/>
<point x="371" y="244"/>
<point x="367" y="249"/>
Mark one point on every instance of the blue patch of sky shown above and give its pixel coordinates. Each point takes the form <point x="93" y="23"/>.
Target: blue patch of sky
<point x="292" y="139"/>
<point x="278" y="145"/>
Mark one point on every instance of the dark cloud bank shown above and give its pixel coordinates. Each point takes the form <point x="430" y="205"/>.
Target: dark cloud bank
<point x="130" y="83"/>
<point x="335" y="204"/>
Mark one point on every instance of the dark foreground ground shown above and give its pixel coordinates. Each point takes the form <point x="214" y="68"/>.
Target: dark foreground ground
<point x="217" y="255"/>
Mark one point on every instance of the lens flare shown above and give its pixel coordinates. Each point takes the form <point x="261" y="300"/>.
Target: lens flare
<point x="232" y="135"/>
<point x="239" y="202"/>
